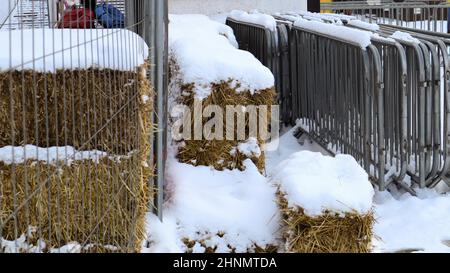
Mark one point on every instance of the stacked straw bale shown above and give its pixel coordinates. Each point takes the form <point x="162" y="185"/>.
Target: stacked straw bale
<point x="327" y="233"/>
<point x="70" y="109"/>
<point x="98" y="204"/>
<point x="221" y="154"/>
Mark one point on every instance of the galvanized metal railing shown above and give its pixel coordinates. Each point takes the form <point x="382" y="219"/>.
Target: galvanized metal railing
<point x="271" y="47"/>
<point x="388" y="105"/>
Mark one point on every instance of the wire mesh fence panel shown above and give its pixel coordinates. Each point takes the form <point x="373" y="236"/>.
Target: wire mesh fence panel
<point x="75" y="118"/>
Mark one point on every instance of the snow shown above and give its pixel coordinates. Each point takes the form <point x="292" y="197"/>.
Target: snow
<point x="205" y="52"/>
<point x="355" y="36"/>
<point x="217" y="208"/>
<point x="403" y="36"/>
<point x="24" y="245"/>
<point x="343" y="188"/>
<point x="47" y="50"/>
<point x="264" y="20"/>
<point x="250" y="148"/>
<point x="364" y="25"/>
<point x="18" y="155"/>
<point x="412" y="224"/>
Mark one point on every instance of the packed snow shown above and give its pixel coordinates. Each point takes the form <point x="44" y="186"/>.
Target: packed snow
<point x="403" y="223"/>
<point x="319" y="184"/>
<point x="329" y="17"/>
<point x="205" y="53"/>
<point x="18" y="155"/>
<point x="412" y="224"/>
<point x="250" y="148"/>
<point x="47" y="50"/>
<point x="355" y="36"/>
<point x="403" y="36"/>
<point x="264" y="20"/>
<point x="364" y="25"/>
<point x="216" y="209"/>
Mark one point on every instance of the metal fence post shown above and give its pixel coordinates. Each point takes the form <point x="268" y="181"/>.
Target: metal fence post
<point x="157" y="37"/>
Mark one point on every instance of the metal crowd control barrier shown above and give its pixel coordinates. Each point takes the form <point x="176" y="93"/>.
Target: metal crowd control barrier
<point x="388" y="106"/>
<point x="435" y="48"/>
<point x="271" y="47"/>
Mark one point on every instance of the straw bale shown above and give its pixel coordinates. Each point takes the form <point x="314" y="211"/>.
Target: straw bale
<point x="100" y="205"/>
<point x="219" y="153"/>
<point x="87" y="109"/>
<point x="328" y="233"/>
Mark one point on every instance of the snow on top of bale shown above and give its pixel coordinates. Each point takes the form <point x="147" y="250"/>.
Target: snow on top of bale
<point x="48" y="50"/>
<point x="403" y="36"/>
<point x="364" y="25"/>
<point x="319" y="183"/>
<point x="206" y="202"/>
<point x="264" y="20"/>
<point x="355" y="36"/>
<point x="205" y="52"/>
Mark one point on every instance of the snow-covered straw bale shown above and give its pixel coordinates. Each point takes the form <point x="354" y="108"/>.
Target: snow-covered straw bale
<point x="216" y="211"/>
<point x="76" y="128"/>
<point x="69" y="107"/>
<point x="320" y="183"/>
<point x="364" y="25"/>
<point x="326" y="203"/>
<point x="207" y="67"/>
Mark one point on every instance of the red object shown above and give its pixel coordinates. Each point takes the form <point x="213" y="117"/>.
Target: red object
<point x="78" y="18"/>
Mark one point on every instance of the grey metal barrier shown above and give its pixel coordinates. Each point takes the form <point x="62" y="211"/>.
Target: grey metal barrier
<point x="426" y="15"/>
